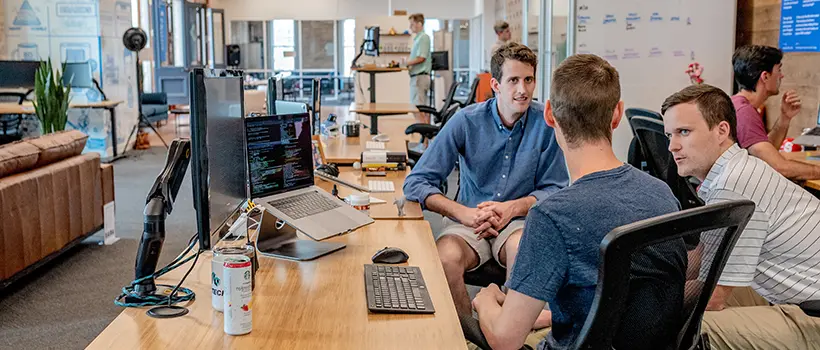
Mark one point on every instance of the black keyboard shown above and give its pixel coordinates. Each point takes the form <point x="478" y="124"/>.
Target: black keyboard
<point x="304" y="205"/>
<point x="396" y="289"/>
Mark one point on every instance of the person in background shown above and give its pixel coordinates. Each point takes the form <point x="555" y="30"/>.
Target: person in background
<point x="758" y="73"/>
<point x="508" y="159"/>
<point x="503" y="34"/>
<point x="558" y="257"/>
<point x="419" y="66"/>
<point x="777" y="254"/>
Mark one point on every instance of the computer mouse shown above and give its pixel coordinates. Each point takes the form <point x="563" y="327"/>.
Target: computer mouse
<point x="390" y="255"/>
<point x="381" y="138"/>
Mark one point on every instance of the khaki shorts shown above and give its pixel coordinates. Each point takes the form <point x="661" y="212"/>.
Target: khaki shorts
<point x="485" y="248"/>
<point x="419" y="86"/>
<point x="749" y="322"/>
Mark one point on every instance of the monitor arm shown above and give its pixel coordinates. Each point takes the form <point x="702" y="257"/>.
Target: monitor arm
<point x="158" y="205"/>
<point x="361" y="51"/>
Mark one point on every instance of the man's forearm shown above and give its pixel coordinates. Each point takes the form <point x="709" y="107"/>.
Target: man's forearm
<point x="797" y="170"/>
<point x="778" y="133"/>
<point x="488" y="313"/>
<point x="415" y="61"/>
<point x="523" y="205"/>
<point x="445" y="206"/>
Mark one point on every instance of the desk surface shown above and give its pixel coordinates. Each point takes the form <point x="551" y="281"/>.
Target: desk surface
<point x="383" y="108"/>
<point x="28" y="107"/>
<point x="385" y="211"/>
<point x="348" y="150"/>
<point x="803" y="157"/>
<point x="371" y="69"/>
<point x="318" y="304"/>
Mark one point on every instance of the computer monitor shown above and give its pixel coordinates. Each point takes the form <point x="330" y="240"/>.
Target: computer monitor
<point x="18" y="74"/>
<point x="279" y="153"/>
<point x="219" y="170"/>
<point x="276" y="92"/>
<point x="440" y="60"/>
<point x="316" y="106"/>
<point x="78" y="74"/>
<point x="371" y="41"/>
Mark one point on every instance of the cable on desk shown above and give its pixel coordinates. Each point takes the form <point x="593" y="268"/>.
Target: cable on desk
<point x="137" y="300"/>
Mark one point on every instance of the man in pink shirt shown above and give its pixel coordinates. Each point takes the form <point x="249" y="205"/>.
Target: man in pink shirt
<point x="758" y="72"/>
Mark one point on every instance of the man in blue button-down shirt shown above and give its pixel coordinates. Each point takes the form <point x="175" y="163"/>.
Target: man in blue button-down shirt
<point x="508" y="158"/>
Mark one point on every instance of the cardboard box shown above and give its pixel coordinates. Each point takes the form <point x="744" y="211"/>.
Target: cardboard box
<point x="107" y="179"/>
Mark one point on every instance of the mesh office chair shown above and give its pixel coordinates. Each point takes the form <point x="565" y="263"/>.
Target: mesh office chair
<point x="472" y="96"/>
<point x="437" y="115"/>
<point x="10" y="124"/>
<point x="427" y="132"/>
<point x="635" y="156"/>
<point x="720" y="224"/>
<point x="659" y="161"/>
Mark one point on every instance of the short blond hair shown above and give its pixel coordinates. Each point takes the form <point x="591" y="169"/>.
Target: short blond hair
<point x="417" y="17"/>
<point x="500" y="26"/>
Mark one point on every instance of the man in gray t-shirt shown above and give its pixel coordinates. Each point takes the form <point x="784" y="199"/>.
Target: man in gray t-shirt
<point x="558" y="256"/>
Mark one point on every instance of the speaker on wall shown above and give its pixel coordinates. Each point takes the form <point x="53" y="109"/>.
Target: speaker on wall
<point x="233" y="55"/>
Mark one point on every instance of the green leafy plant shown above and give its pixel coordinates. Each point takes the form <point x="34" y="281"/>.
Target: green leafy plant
<point x="51" y="98"/>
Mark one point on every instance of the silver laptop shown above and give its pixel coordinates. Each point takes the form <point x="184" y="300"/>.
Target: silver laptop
<point x="811" y="137"/>
<point x="280" y="172"/>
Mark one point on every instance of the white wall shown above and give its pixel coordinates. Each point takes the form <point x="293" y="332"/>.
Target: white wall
<point x="264" y="10"/>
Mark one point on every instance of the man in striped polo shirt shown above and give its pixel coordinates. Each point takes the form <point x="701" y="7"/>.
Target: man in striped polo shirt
<point x="777" y="255"/>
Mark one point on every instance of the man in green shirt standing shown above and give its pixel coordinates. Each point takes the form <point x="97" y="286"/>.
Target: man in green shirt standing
<point x="419" y="66"/>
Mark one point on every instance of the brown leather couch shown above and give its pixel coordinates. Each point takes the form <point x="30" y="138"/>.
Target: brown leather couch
<point x="50" y="200"/>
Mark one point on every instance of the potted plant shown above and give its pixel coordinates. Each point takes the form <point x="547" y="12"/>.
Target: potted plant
<point x="51" y="98"/>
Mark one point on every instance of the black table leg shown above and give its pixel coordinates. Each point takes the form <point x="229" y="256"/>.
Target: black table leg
<point x="374" y="124"/>
<point x="113" y="130"/>
<point x="372" y="87"/>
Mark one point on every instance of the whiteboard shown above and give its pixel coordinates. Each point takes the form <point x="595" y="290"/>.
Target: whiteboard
<point x="651" y="43"/>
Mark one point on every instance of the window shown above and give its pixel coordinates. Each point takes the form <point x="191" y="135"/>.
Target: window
<point x="318" y="45"/>
<point x="348" y="44"/>
<point x="284" y="45"/>
<point x="430" y="26"/>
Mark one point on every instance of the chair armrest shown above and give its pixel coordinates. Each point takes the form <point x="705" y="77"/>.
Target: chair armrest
<point x="426" y="109"/>
<point x="155" y="98"/>
<point x="426" y="130"/>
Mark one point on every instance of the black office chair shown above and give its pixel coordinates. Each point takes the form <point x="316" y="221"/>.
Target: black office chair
<point x="635" y="156"/>
<point x="10" y="124"/>
<point x="720" y="224"/>
<point x="654" y="146"/>
<point x="472" y="96"/>
<point x="438" y="115"/>
<point x="427" y="132"/>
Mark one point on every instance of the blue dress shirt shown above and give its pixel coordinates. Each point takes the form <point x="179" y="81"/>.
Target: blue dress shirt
<point x="496" y="163"/>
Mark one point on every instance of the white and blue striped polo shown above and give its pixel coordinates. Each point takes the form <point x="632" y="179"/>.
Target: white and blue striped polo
<point x="778" y="254"/>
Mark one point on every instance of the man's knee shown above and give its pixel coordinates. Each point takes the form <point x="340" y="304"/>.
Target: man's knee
<point x="510" y="248"/>
<point x="455" y="254"/>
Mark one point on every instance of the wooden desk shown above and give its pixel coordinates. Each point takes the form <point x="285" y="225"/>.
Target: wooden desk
<point x="803" y="157"/>
<point x="318" y="304"/>
<point x="111" y="106"/>
<point x="375" y="110"/>
<point x="372" y="71"/>
<point x="385" y="211"/>
<point x="348" y="150"/>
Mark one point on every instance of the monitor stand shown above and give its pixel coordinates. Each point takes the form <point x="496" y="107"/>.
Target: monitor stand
<point x="277" y="239"/>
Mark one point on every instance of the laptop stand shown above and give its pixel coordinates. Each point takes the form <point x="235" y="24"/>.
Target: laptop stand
<point x="277" y="239"/>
